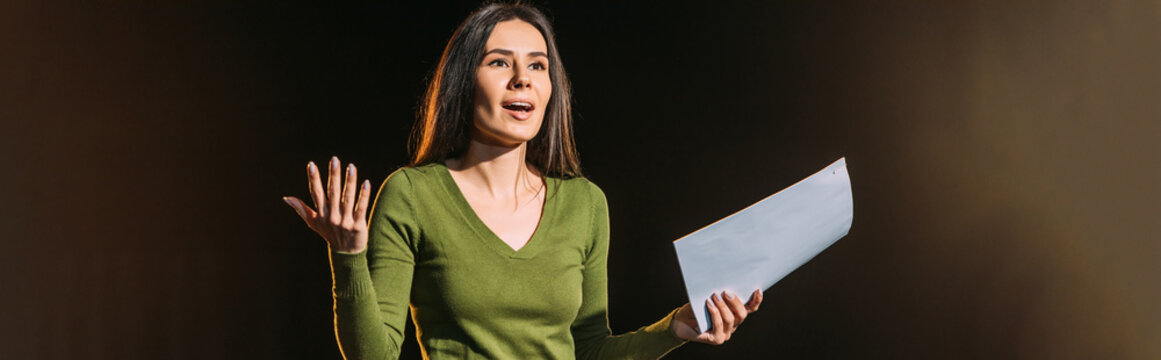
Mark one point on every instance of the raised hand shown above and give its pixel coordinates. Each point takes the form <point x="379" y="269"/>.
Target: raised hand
<point x="725" y="316"/>
<point x="339" y="219"/>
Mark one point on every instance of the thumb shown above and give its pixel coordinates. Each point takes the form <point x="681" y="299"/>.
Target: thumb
<point x="299" y="207"/>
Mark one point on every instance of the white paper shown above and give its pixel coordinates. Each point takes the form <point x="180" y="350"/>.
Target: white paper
<point x="759" y="245"/>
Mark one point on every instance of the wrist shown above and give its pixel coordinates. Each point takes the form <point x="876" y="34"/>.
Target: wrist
<point x="674" y="324"/>
<point x="350" y="252"/>
<point x="347" y="250"/>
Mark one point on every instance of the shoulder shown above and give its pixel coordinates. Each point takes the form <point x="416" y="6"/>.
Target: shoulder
<point x="409" y="188"/>
<point x="409" y="185"/>
<point x="580" y="191"/>
<point x="410" y="177"/>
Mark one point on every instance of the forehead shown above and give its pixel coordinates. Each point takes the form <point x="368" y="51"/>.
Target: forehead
<point x="516" y="35"/>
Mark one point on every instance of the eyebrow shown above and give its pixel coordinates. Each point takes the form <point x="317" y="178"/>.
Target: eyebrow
<point x="507" y="52"/>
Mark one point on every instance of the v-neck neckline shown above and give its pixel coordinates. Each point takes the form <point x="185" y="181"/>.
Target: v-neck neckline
<point x="485" y="233"/>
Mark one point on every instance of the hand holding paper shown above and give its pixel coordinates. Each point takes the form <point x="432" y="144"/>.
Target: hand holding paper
<point x="727" y="312"/>
<point x="759" y="245"/>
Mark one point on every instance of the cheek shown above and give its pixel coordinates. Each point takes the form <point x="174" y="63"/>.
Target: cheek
<point x="545" y="91"/>
<point x="482" y="104"/>
<point x="487" y="93"/>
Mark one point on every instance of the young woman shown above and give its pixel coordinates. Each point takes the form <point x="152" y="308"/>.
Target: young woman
<point x="491" y="236"/>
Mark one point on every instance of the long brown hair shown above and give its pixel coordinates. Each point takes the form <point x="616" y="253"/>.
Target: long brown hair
<point x="446" y="117"/>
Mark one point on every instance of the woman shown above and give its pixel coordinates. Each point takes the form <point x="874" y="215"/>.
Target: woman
<point x="491" y="235"/>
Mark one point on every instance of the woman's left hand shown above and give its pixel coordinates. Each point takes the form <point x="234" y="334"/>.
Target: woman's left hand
<point x="726" y="313"/>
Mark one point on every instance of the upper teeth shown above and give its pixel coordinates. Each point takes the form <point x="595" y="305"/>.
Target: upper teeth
<point x="521" y="103"/>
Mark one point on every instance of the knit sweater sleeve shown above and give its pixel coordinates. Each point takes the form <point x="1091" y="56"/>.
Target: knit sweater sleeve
<point x="591" y="332"/>
<point x="372" y="288"/>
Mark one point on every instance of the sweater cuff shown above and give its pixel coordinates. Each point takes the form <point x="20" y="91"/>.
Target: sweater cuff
<point x="350" y="275"/>
<point x="662" y="336"/>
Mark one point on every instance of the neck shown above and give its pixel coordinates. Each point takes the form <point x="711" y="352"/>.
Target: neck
<point x="498" y="170"/>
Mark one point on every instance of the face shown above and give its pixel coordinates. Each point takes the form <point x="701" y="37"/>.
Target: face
<point x="512" y="85"/>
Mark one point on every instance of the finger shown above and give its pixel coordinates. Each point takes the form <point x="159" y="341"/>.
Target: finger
<point x="333" y="211"/>
<point x="705" y="337"/>
<point x="303" y="211"/>
<point x="716" y="319"/>
<point x="736" y="306"/>
<point x="314" y="181"/>
<point x="349" y="192"/>
<point x="364" y="198"/>
<point x="755" y="300"/>
<point x="727" y="315"/>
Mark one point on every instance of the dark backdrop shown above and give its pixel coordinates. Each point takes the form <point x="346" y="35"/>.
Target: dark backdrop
<point x="1004" y="157"/>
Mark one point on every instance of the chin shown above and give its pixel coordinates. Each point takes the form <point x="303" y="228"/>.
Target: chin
<point x="505" y="138"/>
<point x="517" y="139"/>
<point x="512" y="133"/>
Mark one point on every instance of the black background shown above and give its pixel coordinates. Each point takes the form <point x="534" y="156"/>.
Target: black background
<point x="1004" y="159"/>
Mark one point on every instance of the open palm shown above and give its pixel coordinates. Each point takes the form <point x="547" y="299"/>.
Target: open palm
<point x="340" y="219"/>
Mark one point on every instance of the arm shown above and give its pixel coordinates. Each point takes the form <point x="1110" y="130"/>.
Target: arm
<point x="372" y="288"/>
<point x="363" y="273"/>
<point x="591" y="333"/>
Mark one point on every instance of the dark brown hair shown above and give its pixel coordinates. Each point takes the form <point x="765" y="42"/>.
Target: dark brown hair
<point x="446" y="119"/>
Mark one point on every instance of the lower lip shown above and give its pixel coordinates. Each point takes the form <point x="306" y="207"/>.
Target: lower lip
<point x="519" y="115"/>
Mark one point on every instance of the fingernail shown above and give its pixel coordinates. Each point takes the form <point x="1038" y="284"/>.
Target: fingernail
<point x="310" y="166"/>
<point x="366" y="183"/>
<point x="350" y="168"/>
<point x="727" y="295"/>
<point x="335" y="162"/>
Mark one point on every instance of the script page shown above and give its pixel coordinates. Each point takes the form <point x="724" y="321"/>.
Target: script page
<point x="756" y="247"/>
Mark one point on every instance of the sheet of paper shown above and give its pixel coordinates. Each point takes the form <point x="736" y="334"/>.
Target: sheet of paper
<point x="759" y="245"/>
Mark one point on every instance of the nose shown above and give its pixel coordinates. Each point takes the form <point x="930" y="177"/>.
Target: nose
<point x="520" y="80"/>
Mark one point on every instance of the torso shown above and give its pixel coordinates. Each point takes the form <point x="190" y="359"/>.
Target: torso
<point x="472" y="295"/>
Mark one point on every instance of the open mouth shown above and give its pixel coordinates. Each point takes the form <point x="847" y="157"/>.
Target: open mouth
<point x="520" y="106"/>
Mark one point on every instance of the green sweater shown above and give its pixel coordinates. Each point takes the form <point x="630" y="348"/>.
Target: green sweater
<point x="471" y="295"/>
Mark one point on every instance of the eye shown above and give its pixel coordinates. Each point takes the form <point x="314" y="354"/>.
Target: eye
<point x="538" y="66"/>
<point x="498" y="62"/>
